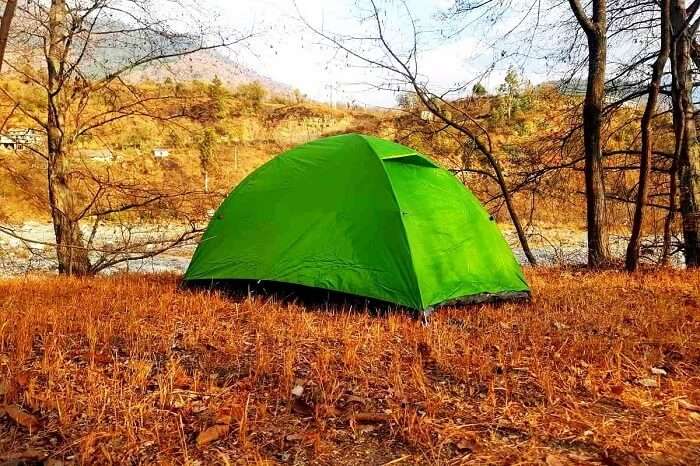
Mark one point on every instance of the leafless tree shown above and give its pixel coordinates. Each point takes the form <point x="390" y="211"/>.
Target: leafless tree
<point x="684" y="27"/>
<point x="654" y="88"/>
<point x="595" y="28"/>
<point x="86" y="91"/>
<point x="7" y="15"/>
<point x="402" y="63"/>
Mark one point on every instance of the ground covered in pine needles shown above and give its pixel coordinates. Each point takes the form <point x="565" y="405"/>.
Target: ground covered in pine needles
<point x="598" y="368"/>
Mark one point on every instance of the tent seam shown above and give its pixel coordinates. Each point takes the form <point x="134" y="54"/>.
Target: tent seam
<point x="403" y="225"/>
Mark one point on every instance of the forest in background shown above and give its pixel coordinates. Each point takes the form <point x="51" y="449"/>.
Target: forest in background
<point x="611" y="147"/>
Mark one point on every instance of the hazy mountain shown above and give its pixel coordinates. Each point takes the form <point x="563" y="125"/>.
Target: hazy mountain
<point x="203" y="66"/>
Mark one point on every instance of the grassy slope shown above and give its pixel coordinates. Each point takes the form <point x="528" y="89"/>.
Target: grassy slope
<point x="127" y="368"/>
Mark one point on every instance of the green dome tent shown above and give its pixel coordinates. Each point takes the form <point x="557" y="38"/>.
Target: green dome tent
<point x="364" y="216"/>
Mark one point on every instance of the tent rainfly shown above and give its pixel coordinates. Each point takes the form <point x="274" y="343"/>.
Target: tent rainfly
<point x="359" y="215"/>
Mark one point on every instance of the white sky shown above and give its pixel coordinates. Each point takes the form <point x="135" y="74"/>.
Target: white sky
<point x="287" y="51"/>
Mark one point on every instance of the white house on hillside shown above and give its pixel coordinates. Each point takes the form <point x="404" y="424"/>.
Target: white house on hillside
<point x="18" y="138"/>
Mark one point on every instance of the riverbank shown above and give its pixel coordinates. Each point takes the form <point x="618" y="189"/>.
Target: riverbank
<point x="551" y="246"/>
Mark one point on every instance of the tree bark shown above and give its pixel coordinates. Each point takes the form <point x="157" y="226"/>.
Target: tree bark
<point x="632" y="258"/>
<point x="70" y="248"/>
<point x="7" y="15"/>
<point x="686" y="135"/>
<point x="596" y="218"/>
<point x="671" y="216"/>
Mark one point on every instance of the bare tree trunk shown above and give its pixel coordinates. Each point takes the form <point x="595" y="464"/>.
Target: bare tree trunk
<point x="686" y="135"/>
<point x="70" y="248"/>
<point x="632" y="259"/>
<point x="596" y="219"/>
<point x="670" y="217"/>
<point x="7" y="17"/>
<point x="514" y="217"/>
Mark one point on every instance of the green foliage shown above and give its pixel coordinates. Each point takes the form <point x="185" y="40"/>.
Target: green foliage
<point x="512" y="96"/>
<point x="299" y="98"/>
<point x="205" y="146"/>
<point x="479" y="90"/>
<point x="251" y="95"/>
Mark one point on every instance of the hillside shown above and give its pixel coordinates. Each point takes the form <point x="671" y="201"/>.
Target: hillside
<point x="240" y="128"/>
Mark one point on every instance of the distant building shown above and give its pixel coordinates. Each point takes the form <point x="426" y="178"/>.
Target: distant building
<point x="18" y="138"/>
<point x="7" y="143"/>
<point x="427" y="115"/>
<point x="161" y="153"/>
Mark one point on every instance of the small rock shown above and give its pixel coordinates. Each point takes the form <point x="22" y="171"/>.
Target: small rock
<point x="658" y="371"/>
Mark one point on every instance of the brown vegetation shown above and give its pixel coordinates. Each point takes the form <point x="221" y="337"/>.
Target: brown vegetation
<point x="599" y="368"/>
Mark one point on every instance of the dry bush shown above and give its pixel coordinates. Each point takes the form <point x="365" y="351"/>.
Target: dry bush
<point x="128" y="369"/>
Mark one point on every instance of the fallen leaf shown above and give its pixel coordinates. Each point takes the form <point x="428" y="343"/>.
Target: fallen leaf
<point x="330" y="411"/>
<point x="30" y="455"/>
<point x="294" y="437"/>
<point x="22" y="418"/>
<point x="648" y="383"/>
<point x="23" y="378"/>
<point x="689" y="406"/>
<point x="212" y="434"/>
<point x="466" y="444"/>
<point x="617" y="389"/>
<point x="372" y="417"/>
<point x="658" y="371"/>
<point x="102" y="357"/>
<point x="224" y="420"/>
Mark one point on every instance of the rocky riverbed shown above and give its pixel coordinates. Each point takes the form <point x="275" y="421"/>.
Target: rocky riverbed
<point x="551" y="246"/>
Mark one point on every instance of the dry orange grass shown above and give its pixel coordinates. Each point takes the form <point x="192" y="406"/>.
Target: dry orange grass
<point x="127" y="369"/>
